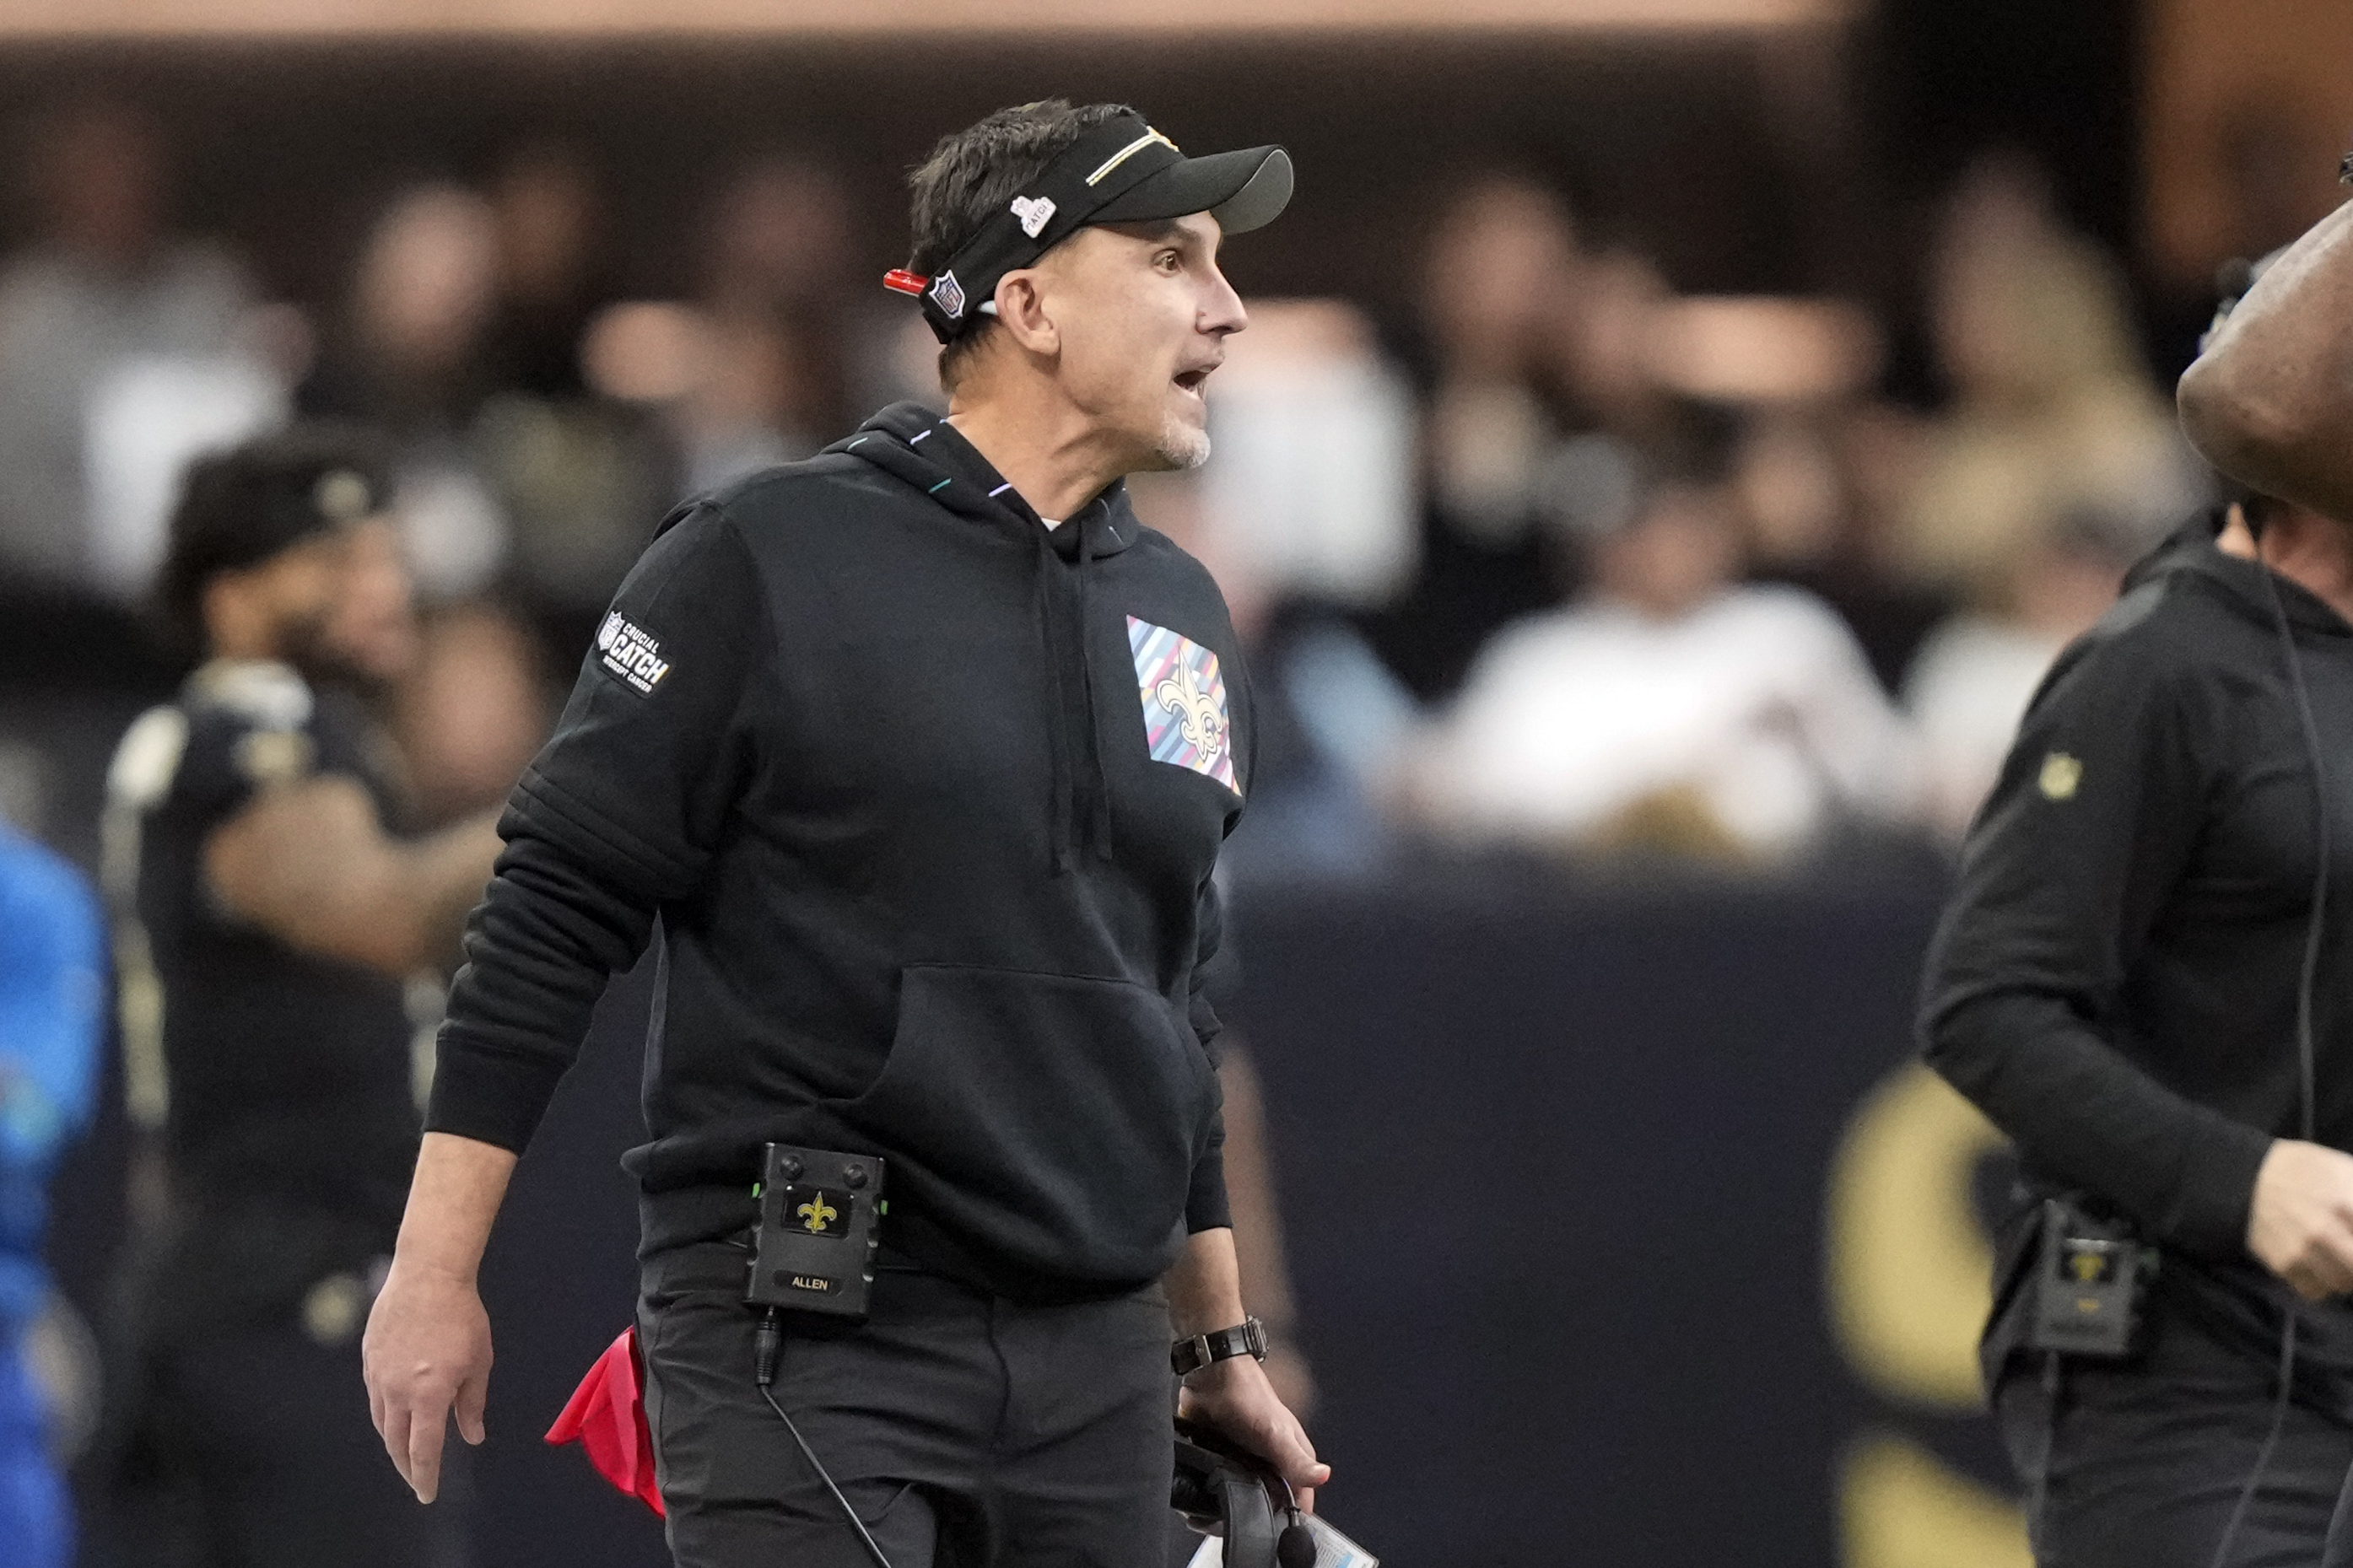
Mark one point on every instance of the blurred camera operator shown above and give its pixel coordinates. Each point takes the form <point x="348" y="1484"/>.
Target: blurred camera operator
<point x="264" y="903"/>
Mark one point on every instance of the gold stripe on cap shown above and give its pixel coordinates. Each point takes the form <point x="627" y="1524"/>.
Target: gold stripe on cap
<point x="1130" y="150"/>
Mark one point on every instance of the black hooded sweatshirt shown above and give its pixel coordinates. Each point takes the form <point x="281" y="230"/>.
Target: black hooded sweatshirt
<point x="926" y="798"/>
<point x="2115" y="981"/>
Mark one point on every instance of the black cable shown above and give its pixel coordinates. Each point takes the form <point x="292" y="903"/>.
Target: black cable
<point x="2271" y="1441"/>
<point x="764" y="1373"/>
<point x="2307" y="982"/>
<point x="2040" y="1493"/>
<point x="2322" y="847"/>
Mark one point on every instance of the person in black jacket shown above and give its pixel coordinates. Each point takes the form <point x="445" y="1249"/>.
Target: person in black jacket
<point x="2117" y="985"/>
<point x="919" y="754"/>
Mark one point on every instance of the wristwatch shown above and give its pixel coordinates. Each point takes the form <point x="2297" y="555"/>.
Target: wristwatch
<point x="1245" y="1338"/>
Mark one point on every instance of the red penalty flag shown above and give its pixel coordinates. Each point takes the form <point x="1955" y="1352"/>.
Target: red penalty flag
<point x="606" y="1416"/>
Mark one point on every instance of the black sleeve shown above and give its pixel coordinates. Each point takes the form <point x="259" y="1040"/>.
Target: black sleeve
<point x="2091" y="827"/>
<point x="1205" y="1207"/>
<point x="617" y="815"/>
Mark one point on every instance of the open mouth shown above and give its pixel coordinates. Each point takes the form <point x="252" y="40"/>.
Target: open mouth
<point x="1190" y="381"/>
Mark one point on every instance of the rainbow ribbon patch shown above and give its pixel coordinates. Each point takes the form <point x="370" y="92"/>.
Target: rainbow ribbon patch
<point x="1186" y="720"/>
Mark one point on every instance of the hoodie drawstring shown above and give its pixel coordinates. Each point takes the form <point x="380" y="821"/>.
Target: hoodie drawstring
<point x="1057" y="718"/>
<point x="1097" y="781"/>
<point x="1068" y="839"/>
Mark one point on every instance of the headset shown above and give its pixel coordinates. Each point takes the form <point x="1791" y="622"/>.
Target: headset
<point x="1222" y="1489"/>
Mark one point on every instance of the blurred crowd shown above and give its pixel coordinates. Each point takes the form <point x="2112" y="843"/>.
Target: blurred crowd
<point x="1563" y="560"/>
<point x="1584" y="565"/>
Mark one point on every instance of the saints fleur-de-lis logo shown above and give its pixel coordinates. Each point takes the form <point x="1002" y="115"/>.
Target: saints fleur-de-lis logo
<point x="816" y="1214"/>
<point x="1204" y="729"/>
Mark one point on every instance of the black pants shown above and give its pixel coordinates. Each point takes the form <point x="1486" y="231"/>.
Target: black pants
<point x="2146" y="1462"/>
<point x="967" y="1431"/>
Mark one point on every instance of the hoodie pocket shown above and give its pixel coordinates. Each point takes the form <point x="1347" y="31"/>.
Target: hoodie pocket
<point x="1051" y="1120"/>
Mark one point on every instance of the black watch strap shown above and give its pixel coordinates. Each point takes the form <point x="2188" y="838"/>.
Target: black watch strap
<point x="1245" y="1338"/>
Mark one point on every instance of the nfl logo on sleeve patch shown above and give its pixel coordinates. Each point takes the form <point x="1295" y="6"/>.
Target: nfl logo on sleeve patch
<point x="632" y="653"/>
<point x="1186" y="722"/>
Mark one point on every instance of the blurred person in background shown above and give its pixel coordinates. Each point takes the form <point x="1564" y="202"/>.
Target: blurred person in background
<point x="469" y="712"/>
<point x="579" y="479"/>
<point x="1536" y="390"/>
<point x="268" y="924"/>
<point x="1312" y="492"/>
<point x="1971" y="681"/>
<point x="52" y="985"/>
<point x="774" y="283"/>
<point x="1670" y="707"/>
<point x="747" y="375"/>
<point x="1820" y="464"/>
<point x="2051" y="410"/>
<point x="410" y="353"/>
<point x="778" y="235"/>
<point x="410" y="357"/>
<point x="555" y="256"/>
<point x="104" y="285"/>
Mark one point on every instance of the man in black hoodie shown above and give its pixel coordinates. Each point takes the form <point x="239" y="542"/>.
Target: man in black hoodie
<point x="2117" y="985"/>
<point x="920" y="753"/>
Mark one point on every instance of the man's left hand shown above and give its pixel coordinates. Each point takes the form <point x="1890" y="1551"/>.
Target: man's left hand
<point x="1234" y="1396"/>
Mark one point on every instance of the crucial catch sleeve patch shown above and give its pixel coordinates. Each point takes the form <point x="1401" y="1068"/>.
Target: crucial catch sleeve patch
<point x="631" y="652"/>
<point x="1187" y="722"/>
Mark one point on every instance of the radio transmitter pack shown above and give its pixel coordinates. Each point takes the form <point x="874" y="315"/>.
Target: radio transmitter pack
<point x="2091" y="1282"/>
<point x="819" y="1217"/>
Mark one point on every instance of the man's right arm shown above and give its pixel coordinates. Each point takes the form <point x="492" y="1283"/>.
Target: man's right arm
<point x="2270" y="402"/>
<point x="617" y="817"/>
<point x="426" y="1352"/>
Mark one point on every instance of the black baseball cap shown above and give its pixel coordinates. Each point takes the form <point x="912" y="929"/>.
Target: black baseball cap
<point x="239" y="507"/>
<point x="1123" y="171"/>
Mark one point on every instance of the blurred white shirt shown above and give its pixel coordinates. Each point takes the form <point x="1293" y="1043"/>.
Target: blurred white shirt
<point x="1759" y="702"/>
<point x="1310" y="488"/>
<point x="66" y="328"/>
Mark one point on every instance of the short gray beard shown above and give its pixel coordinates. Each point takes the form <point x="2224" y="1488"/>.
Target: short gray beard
<point x="1182" y="446"/>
